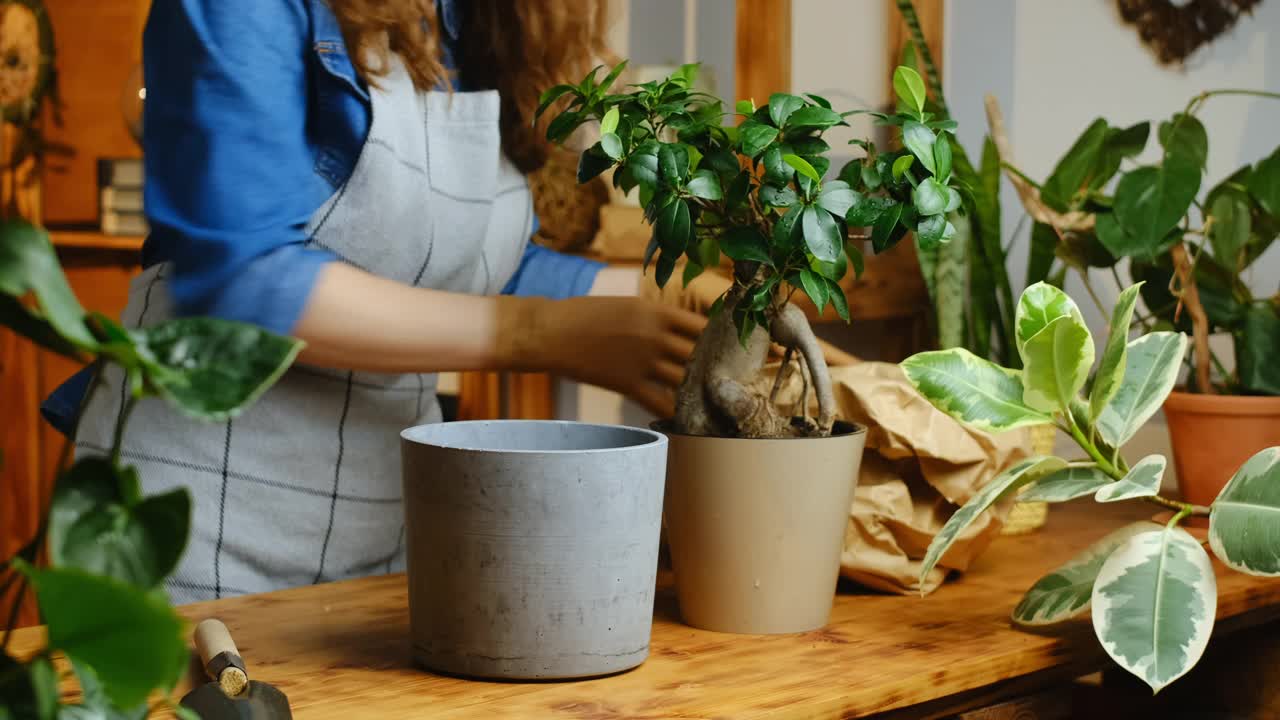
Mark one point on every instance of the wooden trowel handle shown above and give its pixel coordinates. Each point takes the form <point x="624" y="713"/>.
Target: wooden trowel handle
<point x="220" y="658"/>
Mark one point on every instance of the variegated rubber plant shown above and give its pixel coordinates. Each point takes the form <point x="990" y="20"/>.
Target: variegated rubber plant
<point x="1150" y="587"/>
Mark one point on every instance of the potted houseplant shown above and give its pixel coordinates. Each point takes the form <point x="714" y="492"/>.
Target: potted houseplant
<point x="109" y="547"/>
<point x="1126" y="577"/>
<point x="1191" y="248"/>
<point x="757" y="500"/>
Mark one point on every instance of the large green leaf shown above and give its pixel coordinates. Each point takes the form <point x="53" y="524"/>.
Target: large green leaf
<point x="755" y="137"/>
<point x="1154" y="602"/>
<point x="1039" y="305"/>
<point x="1119" y="145"/>
<point x="1150" y="372"/>
<point x="594" y="161"/>
<point x="1006" y="482"/>
<point x="28" y="264"/>
<point x="781" y="105"/>
<point x="1056" y="364"/>
<point x="745" y="243"/>
<point x="909" y="87"/>
<point x="866" y="210"/>
<point x="930" y="197"/>
<point x="972" y="390"/>
<point x="812" y="117"/>
<point x="131" y="637"/>
<point x="1256" y="348"/>
<point x="1066" y="484"/>
<point x="920" y="141"/>
<point x="886" y="231"/>
<point x="673" y="163"/>
<point x="705" y="184"/>
<point x="1074" y="168"/>
<point x="1264" y="183"/>
<point x="1067" y="591"/>
<point x="1184" y="135"/>
<point x="212" y="369"/>
<point x="1244" y="521"/>
<point x="1111" y="370"/>
<point x="836" y="198"/>
<point x="1142" y="481"/>
<point x="821" y="234"/>
<point x="1231" y="225"/>
<point x="1150" y="201"/>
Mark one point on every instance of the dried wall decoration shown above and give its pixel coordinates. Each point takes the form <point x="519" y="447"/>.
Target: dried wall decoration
<point x="1175" y="29"/>
<point x="26" y="79"/>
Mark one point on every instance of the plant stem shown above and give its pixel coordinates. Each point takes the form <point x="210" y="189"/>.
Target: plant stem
<point x="1177" y="517"/>
<point x="1088" y="286"/>
<point x="118" y="438"/>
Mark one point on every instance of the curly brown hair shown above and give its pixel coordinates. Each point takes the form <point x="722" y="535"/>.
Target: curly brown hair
<point x="518" y="47"/>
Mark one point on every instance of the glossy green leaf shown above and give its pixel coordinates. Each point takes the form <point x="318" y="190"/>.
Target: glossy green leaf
<point x="1142" y="481"/>
<point x="802" y="166"/>
<point x="563" y="125"/>
<point x="673" y="163"/>
<point x="738" y="190"/>
<point x="21" y="320"/>
<point x="1067" y="592"/>
<point x="28" y="264"/>
<point x="920" y="140"/>
<point x="611" y="145"/>
<point x="781" y="105"/>
<point x="865" y="209"/>
<point x="1150" y="201"/>
<point x="1232" y="223"/>
<point x="1056" y="363"/>
<point x="836" y="198"/>
<point x="1118" y="146"/>
<point x="815" y="287"/>
<point x="886" y="231"/>
<point x="779" y="197"/>
<point x="643" y="164"/>
<point x="1154" y="602"/>
<point x="821" y="234"/>
<point x="1066" y="484"/>
<point x="1244" y="520"/>
<point x="942" y="160"/>
<point x="1072" y="171"/>
<point x="665" y="267"/>
<point x="609" y="123"/>
<point x="1118" y="242"/>
<point x="933" y="231"/>
<point x="705" y="184"/>
<point x="675" y="229"/>
<point x="931" y="197"/>
<point x="1184" y="135"/>
<point x="788" y="227"/>
<point x="1256" y="348"/>
<point x="745" y="244"/>
<point x="212" y="369"/>
<point x="1264" y="183"/>
<point x="126" y="623"/>
<point x="1001" y="485"/>
<point x="1039" y="305"/>
<point x="776" y="172"/>
<point x="1111" y="369"/>
<point x="744" y="107"/>
<point x="838" y="300"/>
<point x="901" y="166"/>
<point x="613" y="75"/>
<point x="1151" y="369"/>
<point x="592" y="162"/>
<point x="909" y="87"/>
<point x="549" y="96"/>
<point x="813" y="117"/>
<point x="1040" y="261"/>
<point x="755" y="137"/>
<point x="972" y="390"/>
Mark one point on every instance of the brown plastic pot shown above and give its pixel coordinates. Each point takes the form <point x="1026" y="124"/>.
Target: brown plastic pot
<point x="756" y="527"/>
<point x="1213" y="435"/>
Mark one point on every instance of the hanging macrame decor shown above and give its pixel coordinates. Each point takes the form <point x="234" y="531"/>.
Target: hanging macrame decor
<point x="1174" y="29"/>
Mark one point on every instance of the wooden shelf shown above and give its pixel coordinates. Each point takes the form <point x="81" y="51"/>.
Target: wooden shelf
<point x="92" y="240"/>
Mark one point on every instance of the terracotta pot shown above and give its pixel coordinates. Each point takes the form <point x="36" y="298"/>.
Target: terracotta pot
<point x="756" y="527"/>
<point x="1213" y="435"/>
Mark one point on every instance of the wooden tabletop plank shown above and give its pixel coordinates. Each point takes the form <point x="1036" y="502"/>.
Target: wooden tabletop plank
<point x="342" y="650"/>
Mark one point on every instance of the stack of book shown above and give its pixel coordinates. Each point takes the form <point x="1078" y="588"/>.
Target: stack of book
<point x="120" y="196"/>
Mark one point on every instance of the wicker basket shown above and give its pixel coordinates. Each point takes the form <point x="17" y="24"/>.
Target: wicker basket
<point x="1028" y="517"/>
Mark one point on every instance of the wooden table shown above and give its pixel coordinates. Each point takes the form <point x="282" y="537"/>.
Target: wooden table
<point x="342" y="650"/>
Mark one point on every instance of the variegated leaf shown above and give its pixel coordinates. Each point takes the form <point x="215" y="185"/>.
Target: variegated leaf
<point x="1244" y="522"/>
<point x="1150" y="372"/>
<point x="1154" y="603"/>
<point x="1111" y="370"/>
<point x="1006" y="482"/>
<point x="1039" y="305"/>
<point x="974" y="391"/>
<point x="1066" y="484"/>
<point x="1056" y="364"/>
<point x="1142" y="480"/>
<point x="1067" y="591"/>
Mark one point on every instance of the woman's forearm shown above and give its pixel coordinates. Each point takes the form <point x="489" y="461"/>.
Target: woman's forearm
<point x="358" y="321"/>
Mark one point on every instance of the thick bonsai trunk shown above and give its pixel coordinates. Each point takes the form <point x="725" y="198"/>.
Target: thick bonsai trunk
<point x="718" y="395"/>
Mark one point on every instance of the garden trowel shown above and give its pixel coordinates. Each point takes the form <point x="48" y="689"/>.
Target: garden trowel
<point x="231" y="695"/>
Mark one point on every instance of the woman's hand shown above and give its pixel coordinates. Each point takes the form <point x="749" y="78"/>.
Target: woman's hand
<point x="635" y="347"/>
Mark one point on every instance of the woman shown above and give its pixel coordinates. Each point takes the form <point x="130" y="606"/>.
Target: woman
<point x="309" y="169"/>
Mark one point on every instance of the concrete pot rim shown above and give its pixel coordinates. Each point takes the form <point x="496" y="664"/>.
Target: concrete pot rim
<point x="438" y="435"/>
<point x="851" y="429"/>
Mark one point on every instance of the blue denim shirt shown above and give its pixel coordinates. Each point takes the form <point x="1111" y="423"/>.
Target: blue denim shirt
<point x="254" y="117"/>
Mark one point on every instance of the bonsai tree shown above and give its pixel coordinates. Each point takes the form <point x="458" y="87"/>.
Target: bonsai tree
<point x="109" y="547"/>
<point x="757" y="192"/>
<point x="1130" y="579"/>
<point x="1190" y="248"/>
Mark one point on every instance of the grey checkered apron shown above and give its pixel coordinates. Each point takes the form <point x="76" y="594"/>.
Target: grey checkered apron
<point x="304" y="487"/>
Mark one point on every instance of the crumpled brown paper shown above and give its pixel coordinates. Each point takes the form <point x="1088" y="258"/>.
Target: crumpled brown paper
<point x="919" y="467"/>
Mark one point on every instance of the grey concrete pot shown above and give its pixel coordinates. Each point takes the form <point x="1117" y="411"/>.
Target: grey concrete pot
<point x="756" y="528"/>
<point x="532" y="546"/>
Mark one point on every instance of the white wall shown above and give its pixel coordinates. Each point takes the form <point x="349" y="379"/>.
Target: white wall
<point x="1056" y="65"/>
